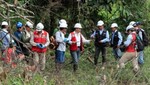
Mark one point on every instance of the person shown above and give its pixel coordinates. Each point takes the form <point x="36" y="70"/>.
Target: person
<point x="140" y="33"/>
<point x="6" y="40"/>
<point x="39" y="41"/>
<point x="18" y="35"/>
<point x="60" y="50"/>
<point x="8" y="47"/>
<point x="116" y="41"/>
<point x="76" y="40"/>
<point x="130" y="52"/>
<point x="101" y="39"/>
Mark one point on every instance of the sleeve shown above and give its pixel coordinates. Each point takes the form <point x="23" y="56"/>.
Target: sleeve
<point x="48" y="41"/>
<point x="85" y="40"/>
<point x="128" y="41"/>
<point x="58" y="37"/>
<point x="69" y="38"/>
<point x="120" y="38"/>
<point x="107" y="38"/>
<point x="32" y="41"/>
<point x="93" y="35"/>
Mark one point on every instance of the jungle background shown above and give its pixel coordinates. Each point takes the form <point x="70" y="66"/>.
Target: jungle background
<point x="87" y="12"/>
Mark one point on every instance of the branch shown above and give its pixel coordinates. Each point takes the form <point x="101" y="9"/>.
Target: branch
<point x="3" y="16"/>
<point x="14" y="6"/>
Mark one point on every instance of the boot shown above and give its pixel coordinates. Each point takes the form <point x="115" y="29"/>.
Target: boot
<point x="75" y="67"/>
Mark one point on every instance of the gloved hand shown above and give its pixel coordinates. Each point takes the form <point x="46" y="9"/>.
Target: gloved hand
<point x="38" y="45"/>
<point x="65" y="40"/>
<point x="43" y="46"/>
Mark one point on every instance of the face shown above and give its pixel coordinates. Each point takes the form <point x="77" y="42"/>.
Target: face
<point x="64" y="30"/>
<point x="100" y="27"/>
<point x="28" y="29"/>
<point x="20" y="29"/>
<point x="113" y="29"/>
<point x="78" y="30"/>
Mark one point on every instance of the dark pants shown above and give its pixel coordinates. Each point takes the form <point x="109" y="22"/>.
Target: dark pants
<point x="97" y="52"/>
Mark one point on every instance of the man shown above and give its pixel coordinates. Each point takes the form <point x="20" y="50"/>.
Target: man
<point x="60" y="50"/>
<point x="76" y="40"/>
<point x="116" y="41"/>
<point x="39" y="42"/>
<point x="141" y="33"/>
<point x="130" y="52"/>
<point x="18" y="35"/>
<point x="101" y="38"/>
<point x="6" y="40"/>
<point x="5" y="36"/>
<point x="26" y="36"/>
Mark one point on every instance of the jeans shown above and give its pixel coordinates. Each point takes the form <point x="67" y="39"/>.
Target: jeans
<point x="141" y="57"/>
<point x="60" y="56"/>
<point x="75" y="56"/>
<point x="117" y="53"/>
<point x="97" y="52"/>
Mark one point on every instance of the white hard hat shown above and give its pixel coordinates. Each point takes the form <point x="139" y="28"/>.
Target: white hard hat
<point x="39" y="27"/>
<point x="129" y="27"/>
<point x="77" y="25"/>
<point x="63" y="25"/>
<point x="62" y="21"/>
<point x="4" y="23"/>
<point x="132" y="22"/>
<point x="29" y="24"/>
<point x="114" y="25"/>
<point x="100" y="23"/>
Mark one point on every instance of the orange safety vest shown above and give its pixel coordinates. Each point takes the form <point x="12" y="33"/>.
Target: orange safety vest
<point x="39" y="39"/>
<point x="73" y="46"/>
<point x="131" y="47"/>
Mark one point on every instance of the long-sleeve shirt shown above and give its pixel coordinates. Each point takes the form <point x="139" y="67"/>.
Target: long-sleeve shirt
<point x="60" y="40"/>
<point x="78" y="35"/>
<point x="119" y="36"/>
<point x="129" y="40"/>
<point x="34" y="43"/>
<point x="101" y="31"/>
<point x="6" y="39"/>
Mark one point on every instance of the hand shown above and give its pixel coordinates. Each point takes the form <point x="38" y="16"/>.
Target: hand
<point x="118" y="46"/>
<point x="100" y="41"/>
<point x="65" y="40"/>
<point x="43" y="46"/>
<point x="38" y="45"/>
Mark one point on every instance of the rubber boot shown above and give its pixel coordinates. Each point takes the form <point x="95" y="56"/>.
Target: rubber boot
<point x="75" y="67"/>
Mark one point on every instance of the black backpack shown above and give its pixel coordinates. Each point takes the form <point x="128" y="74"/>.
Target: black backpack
<point x="139" y="44"/>
<point x="145" y="38"/>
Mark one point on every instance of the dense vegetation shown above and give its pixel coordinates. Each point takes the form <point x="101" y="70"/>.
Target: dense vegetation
<point x="87" y="12"/>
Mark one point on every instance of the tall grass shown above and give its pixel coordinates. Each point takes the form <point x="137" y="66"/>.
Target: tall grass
<point x="87" y="73"/>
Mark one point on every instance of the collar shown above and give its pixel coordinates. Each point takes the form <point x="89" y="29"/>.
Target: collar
<point x="5" y="30"/>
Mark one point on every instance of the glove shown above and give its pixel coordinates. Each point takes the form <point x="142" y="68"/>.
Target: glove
<point x="65" y="40"/>
<point x="38" y="45"/>
<point x="43" y="46"/>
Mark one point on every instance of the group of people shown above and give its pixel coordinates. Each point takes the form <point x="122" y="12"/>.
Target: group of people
<point x="26" y="42"/>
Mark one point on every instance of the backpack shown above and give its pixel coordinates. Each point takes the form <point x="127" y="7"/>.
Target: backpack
<point x="139" y="44"/>
<point x="145" y="38"/>
<point x="53" y="44"/>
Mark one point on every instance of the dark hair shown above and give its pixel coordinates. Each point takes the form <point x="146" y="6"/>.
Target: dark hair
<point x="3" y="26"/>
<point x="62" y="28"/>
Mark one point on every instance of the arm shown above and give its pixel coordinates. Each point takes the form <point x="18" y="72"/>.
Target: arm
<point x="48" y="41"/>
<point x="59" y="37"/>
<point x="106" y="39"/>
<point x="85" y="40"/>
<point x="120" y="38"/>
<point x="32" y="41"/>
<point x="128" y="41"/>
<point x="93" y="35"/>
<point x="69" y="38"/>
